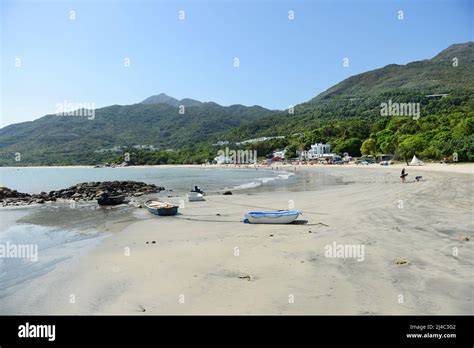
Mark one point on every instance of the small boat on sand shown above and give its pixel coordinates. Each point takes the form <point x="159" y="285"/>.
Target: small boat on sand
<point x="272" y="217"/>
<point x="161" y="208"/>
<point x="195" y="196"/>
<point x="106" y="199"/>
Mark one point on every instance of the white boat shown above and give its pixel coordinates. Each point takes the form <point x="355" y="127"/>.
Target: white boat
<point x="272" y="217"/>
<point x="195" y="197"/>
<point x="161" y="208"/>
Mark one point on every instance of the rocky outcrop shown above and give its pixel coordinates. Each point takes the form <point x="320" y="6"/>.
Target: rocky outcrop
<point x="81" y="192"/>
<point x="6" y="193"/>
<point x="13" y="197"/>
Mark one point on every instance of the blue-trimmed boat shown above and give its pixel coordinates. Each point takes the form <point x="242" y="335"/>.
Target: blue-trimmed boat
<point x="161" y="208"/>
<point x="272" y="217"/>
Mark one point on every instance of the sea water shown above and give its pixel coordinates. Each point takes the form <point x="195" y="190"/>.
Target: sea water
<point x="37" y="239"/>
<point x="37" y="179"/>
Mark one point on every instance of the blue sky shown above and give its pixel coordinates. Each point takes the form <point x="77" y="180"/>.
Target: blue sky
<point x="282" y="62"/>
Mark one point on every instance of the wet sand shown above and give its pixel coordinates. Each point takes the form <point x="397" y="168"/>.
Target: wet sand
<point x="417" y="239"/>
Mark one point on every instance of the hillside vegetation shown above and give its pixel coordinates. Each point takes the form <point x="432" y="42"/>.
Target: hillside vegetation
<point x="348" y="116"/>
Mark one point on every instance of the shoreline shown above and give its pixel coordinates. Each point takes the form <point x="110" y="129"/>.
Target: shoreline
<point x="250" y="183"/>
<point x="194" y="253"/>
<point x="465" y="167"/>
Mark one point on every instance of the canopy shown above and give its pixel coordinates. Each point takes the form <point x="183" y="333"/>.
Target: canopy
<point x="416" y="162"/>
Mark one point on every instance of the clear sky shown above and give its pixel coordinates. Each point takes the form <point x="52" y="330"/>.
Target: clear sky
<point x="282" y="61"/>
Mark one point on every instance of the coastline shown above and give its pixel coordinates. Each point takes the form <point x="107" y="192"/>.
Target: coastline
<point x="465" y="167"/>
<point x="192" y="267"/>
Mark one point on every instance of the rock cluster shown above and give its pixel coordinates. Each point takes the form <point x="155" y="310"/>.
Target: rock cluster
<point x="83" y="191"/>
<point x="13" y="197"/>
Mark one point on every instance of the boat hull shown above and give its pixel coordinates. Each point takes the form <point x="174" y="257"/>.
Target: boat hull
<point x="195" y="197"/>
<point x="272" y="217"/>
<point x="170" y="210"/>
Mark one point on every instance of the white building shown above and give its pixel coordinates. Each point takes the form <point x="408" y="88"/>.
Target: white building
<point x="319" y="150"/>
<point x="280" y="154"/>
<point x="302" y="155"/>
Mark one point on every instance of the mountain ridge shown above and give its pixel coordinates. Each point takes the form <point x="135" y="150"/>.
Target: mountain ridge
<point x="156" y="120"/>
<point x="361" y="95"/>
<point x="163" y="98"/>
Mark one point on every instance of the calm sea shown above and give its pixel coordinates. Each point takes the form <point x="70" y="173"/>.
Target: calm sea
<point x="60" y="232"/>
<point x="37" y="179"/>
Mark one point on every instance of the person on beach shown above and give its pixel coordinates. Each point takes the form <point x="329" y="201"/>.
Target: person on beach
<point x="403" y="175"/>
<point x="197" y="189"/>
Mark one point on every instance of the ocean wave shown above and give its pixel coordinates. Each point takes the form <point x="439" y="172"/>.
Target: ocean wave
<point x="286" y="175"/>
<point x="261" y="181"/>
<point x="246" y="185"/>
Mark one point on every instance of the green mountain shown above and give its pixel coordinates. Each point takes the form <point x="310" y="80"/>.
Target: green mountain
<point x="54" y="139"/>
<point x="360" y="96"/>
<point x="349" y="113"/>
<point x="448" y="71"/>
<point x="348" y="116"/>
<point x="162" y="98"/>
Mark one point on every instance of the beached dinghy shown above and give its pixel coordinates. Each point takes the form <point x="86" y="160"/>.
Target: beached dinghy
<point x="195" y="196"/>
<point x="161" y="208"/>
<point x="272" y="217"/>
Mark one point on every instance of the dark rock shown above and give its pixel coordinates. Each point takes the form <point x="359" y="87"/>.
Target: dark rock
<point x="227" y="193"/>
<point x="5" y="192"/>
<point x="81" y="191"/>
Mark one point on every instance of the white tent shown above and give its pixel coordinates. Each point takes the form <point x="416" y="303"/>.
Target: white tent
<point x="416" y="162"/>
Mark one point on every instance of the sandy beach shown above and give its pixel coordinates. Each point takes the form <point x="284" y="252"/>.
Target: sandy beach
<point x="416" y="237"/>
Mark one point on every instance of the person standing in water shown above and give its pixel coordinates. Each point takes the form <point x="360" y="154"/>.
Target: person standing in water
<point x="403" y="175"/>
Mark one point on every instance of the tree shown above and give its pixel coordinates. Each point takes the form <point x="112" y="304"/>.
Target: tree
<point x="409" y="146"/>
<point x="351" y="146"/>
<point x="369" y="147"/>
<point x="291" y="151"/>
<point x="386" y="141"/>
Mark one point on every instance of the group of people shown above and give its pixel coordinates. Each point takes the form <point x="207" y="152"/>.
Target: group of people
<point x="404" y="175"/>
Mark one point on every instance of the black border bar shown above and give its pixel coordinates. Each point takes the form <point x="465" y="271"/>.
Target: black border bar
<point x="224" y="330"/>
